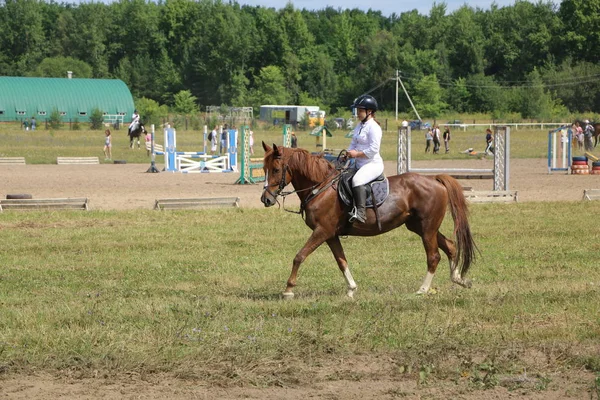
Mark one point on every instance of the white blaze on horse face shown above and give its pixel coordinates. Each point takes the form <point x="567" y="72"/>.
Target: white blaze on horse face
<point x="266" y="179"/>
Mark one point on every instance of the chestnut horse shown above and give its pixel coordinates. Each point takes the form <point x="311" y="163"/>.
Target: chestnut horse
<point x="418" y="201"/>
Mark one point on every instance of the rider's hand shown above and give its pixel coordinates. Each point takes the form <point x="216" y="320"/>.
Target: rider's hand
<point x="352" y="153"/>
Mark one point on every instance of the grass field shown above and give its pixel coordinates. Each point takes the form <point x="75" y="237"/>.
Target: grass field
<point x="196" y="294"/>
<point x="43" y="146"/>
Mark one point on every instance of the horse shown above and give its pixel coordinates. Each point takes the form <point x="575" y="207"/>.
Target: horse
<point x="136" y="132"/>
<point x="417" y="201"/>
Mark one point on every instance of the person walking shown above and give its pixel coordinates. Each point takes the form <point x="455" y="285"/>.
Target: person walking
<point x="107" y="145"/>
<point x="364" y="148"/>
<point x="447" y="138"/>
<point x="489" y="140"/>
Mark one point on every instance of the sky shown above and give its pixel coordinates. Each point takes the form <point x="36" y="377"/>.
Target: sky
<point x="387" y="7"/>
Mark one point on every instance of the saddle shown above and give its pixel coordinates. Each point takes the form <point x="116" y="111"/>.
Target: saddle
<point x="377" y="190"/>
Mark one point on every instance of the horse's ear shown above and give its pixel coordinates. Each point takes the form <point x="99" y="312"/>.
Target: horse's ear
<point x="276" y="151"/>
<point x="266" y="146"/>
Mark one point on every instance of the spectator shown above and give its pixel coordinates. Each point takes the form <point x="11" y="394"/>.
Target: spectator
<point x="489" y="139"/>
<point x="33" y="123"/>
<point x="223" y="140"/>
<point x="107" y="145"/>
<point x="579" y="135"/>
<point x="294" y="140"/>
<point x="428" y="140"/>
<point x="148" y="139"/>
<point x="26" y="124"/>
<point x="251" y="141"/>
<point x="436" y="139"/>
<point x="447" y="138"/>
<point x="588" y="132"/>
<point x="213" y="138"/>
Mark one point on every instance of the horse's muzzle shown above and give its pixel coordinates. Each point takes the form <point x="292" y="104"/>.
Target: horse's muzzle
<point x="268" y="199"/>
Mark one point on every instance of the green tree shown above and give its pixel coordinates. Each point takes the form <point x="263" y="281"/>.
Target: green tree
<point x="57" y="67"/>
<point x="150" y="111"/>
<point x="270" y="87"/>
<point x="185" y="103"/>
<point x="428" y="97"/>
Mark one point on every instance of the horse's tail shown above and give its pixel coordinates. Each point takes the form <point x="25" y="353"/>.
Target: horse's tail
<point x="465" y="245"/>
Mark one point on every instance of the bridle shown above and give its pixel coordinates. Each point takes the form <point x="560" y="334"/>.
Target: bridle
<point x="315" y="190"/>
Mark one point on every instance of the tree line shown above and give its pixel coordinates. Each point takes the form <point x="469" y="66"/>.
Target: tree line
<point x="537" y="59"/>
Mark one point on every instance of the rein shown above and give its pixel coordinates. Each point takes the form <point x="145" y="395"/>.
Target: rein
<point x="315" y="190"/>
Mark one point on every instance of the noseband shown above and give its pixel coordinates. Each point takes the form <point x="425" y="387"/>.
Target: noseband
<point x="282" y="183"/>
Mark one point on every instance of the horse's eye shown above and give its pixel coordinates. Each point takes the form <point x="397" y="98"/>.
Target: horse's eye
<point x="276" y="170"/>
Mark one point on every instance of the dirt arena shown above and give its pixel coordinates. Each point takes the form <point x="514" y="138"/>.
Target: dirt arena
<point x="129" y="186"/>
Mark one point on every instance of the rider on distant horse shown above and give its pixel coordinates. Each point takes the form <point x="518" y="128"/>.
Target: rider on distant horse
<point x="366" y="141"/>
<point x="135" y="121"/>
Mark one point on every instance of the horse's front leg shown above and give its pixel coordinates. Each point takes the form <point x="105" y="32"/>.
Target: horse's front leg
<point x="314" y="241"/>
<point x="338" y="252"/>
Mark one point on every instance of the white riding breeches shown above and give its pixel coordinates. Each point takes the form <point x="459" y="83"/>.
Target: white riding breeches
<point x="367" y="173"/>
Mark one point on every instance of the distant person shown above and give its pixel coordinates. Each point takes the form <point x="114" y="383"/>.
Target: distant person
<point x="224" y="135"/>
<point x="489" y="140"/>
<point x="148" y="139"/>
<point x="107" y="145"/>
<point x="579" y="135"/>
<point x="251" y="141"/>
<point x="428" y="140"/>
<point x="588" y="133"/>
<point x="33" y="123"/>
<point x="213" y="136"/>
<point x="294" y="140"/>
<point x="436" y="139"/>
<point x="26" y="124"/>
<point x="446" y="138"/>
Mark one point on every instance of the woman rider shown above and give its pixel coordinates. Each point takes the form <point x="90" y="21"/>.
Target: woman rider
<point x="364" y="148"/>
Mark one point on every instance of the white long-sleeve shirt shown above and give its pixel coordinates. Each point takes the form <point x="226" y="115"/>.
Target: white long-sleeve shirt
<point x="367" y="138"/>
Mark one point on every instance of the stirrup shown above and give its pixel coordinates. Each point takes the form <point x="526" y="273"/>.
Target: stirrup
<point x="354" y="216"/>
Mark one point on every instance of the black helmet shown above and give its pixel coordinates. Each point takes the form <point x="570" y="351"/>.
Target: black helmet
<point x="365" y="101"/>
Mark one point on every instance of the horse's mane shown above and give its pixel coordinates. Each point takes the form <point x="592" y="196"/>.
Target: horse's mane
<point x="311" y="166"/>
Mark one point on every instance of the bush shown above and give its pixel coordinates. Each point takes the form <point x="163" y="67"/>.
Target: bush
<point x="96" y="119"/>
<point x="55" y="121"/>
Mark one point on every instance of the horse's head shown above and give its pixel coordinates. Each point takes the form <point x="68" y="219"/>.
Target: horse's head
<point x="277" y="174"/>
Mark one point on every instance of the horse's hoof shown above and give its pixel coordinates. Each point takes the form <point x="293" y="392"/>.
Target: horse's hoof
<point x="421" y="292"/>
<point x="288" y="295"/>
<point x="350" y="293"/>
<point x="467" y="283"/>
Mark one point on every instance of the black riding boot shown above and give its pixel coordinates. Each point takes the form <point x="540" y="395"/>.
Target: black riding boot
<point x="360" y="200"/>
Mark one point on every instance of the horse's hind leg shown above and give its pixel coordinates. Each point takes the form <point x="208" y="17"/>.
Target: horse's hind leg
<point x="449" y="248"/>
<point x="338" y="252"/>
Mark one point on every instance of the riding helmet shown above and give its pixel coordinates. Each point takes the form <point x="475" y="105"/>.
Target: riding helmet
<point x="365" y="101"/>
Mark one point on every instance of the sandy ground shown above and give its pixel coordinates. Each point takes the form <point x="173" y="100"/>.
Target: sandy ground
<point x="128" y="186"/>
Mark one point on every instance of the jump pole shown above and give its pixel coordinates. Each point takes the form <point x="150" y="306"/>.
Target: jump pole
<point x="500" y="172"/>
<point x="152" y="168"/>
<point x="562" y="146"/>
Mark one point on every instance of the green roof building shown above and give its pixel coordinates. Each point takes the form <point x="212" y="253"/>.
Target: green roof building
<point x="22" y="98"/>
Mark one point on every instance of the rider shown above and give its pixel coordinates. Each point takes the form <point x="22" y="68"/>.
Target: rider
<point x="366" y="141"/>
<point x="135" y="120"/>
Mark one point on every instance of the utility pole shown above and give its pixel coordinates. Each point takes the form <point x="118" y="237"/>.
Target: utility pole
<point x="397" y="77"/>
<point x="407" y="96"/>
